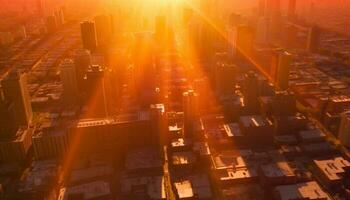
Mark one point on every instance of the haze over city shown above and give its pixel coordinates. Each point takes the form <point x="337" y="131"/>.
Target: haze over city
<point x="174" y="99"/>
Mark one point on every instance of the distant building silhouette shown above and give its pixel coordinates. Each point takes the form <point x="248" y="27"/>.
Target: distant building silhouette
<point x="88" y="35"/>
<point x="14" y="87"/>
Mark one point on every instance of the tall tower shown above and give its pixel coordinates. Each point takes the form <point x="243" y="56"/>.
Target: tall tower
<point x="262" y="30"/>
<point x="344" y="129"/>
<point x="69" y="80"/>
<point x="190" y="106"/>
<point x="82" y="61"/>
<point x="103" y="24"/>
<point x="282" y="71"/>
<point x="88" y="35"/>
<point x="313" y="40"/>
<point x="15" y="91"/>
<point x="251" y="90"/>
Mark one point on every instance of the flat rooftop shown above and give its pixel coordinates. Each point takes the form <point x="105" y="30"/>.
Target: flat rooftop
<point x="333" y="168"/>
<point x="92" y="190"/>
<point x="308" y="190"/>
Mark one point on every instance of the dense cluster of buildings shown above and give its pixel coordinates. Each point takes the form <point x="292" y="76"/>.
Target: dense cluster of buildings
<point x="262" y="112"/>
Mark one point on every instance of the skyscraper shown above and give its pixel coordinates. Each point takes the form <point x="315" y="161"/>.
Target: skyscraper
<point x="103" y="24"/>
<point x="82" y="61"/>
<point x="344" y="130"/>
<point x="313" y="40"/>
<point x="15" y="91"/>
<point x="69" y="80"/>
<point x="190" y="107"/>
<point x="262" y="30"/>
<point x="250" y="90"/>
<point x="88" y="35"/>
<point x="282" y="70"/>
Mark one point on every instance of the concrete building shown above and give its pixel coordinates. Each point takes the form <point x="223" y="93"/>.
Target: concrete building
<point x="88" y="35"/>
<point x="313" y="40"/>
<point x="308" y="190"/>
<point x="333" y="171"/>
<point x="103" y="26"/>
<point x="69" y="80"/>
<point x="282" y="71"/>
<point x="191" y="111"/>
<point x="15" y="90"/>
<point x="344" y="129"/>
<point x="15" y="149"/>
<point x="50" y="144"/>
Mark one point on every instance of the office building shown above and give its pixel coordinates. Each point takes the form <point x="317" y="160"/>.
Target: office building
<point x="15" y="149"/>
<point x="250" y="90"/>
<point x="15" y="90"/>
<point x="82" y="61"/>
<point x="59" y="15"/>
<point x="262" y="30"/>
<point x="284" y="104"/>
<point x="190" y="107"/>
<point x="282" y="70"/>
<point x="314" y="39"/>
<point x="103" y="26"/>
<point x="344" y="130"/>
<point x="69" y="80"/>
<point x="50" y="144"/>
<point x="308" y="190"/>
<point x="225" y="78"/>
<point x="7" y="118"/>
<point x="88" y="35"/>
<point x="96" y="97"/>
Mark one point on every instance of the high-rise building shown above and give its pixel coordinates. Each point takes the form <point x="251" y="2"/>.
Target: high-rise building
<point x="103" y="24"/>
<point x="59" y="14"/>
<point x="96" y="100"/>
<point x="282" y="70"/>
<point x="51" y="24"/>
<point x="88" y="35"/>
<point x="15" y="90"/>
<point x="262" y="30"/>
<point x="250" y="90"/>
<point x="7" y="117"/>
<point x="82" y="61"/>
<point x="190" y="107"/>
<point x="344" y="130"/>
<point x="273" y="12"/>
<point x="69" y="80"/>
<point x="225" y="75"/>
<point x="313" y="40"/>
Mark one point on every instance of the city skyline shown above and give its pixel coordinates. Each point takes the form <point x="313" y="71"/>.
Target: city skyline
<point x="174" y="100"/>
